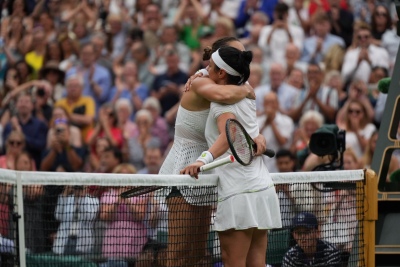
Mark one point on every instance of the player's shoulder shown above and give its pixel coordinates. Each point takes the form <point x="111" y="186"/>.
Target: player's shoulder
<point x="202" y="80"/>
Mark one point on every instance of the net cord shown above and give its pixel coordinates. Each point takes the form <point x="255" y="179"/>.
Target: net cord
<point x="102" y="179"/>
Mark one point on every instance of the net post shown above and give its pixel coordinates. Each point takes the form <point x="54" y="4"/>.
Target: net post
<point x="370" y="215"/>
<point x="21" y="226"/>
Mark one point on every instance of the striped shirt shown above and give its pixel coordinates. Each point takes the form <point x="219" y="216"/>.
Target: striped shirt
<point x="327" y="255"/>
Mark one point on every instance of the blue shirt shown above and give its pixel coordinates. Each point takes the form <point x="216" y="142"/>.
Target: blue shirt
<point x="142" y="92"/>
<point x="310" y="46"/>
<point x="101" y="77"/>
<point x="169" y="100"/>
<point x="35" y="132"/>
<point x="62" y="159"/>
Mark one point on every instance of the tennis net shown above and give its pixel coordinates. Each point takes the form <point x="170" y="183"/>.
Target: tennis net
<point x="79" y="219"/>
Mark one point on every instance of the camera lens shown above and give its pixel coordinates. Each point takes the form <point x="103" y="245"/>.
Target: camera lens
<point x="41" y="92"/>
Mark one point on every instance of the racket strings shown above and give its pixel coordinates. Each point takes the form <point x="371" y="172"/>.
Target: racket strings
<point x="240" y="143"/>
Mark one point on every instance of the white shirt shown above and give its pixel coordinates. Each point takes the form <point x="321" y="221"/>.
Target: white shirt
<point x="352" y="140"/>
<point x="231" y="175"/>
<point x="326" y="95"/>
<point x="276" y="49"/>
<point x="293" y="18"/>
<point x="377" y="55"/>
<point x="285" y="126"/>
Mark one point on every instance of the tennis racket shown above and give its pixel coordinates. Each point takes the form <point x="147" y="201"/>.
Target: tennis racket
<point x="241" y="144"/>
<point x="140" y="190"/>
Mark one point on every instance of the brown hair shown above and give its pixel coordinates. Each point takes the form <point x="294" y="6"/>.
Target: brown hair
<point x="319" y="17"/>
<point x="217" y="45"/>
<point x="364" y="121"/>
<point x="127" y="166"/>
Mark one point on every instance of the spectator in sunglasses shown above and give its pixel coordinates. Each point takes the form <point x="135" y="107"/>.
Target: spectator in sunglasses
<point x="358" y="91"/>
<point x="358" y="126"/>
<point x="358" y="62"/>
<point x="14" y="145"/>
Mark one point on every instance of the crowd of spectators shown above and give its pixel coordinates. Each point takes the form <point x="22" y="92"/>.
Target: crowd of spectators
<point x="87" y="85"/>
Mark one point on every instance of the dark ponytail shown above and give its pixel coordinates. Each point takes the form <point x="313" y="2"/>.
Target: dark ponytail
<point x="217" y="45"/>
<point x="239" y="61"/>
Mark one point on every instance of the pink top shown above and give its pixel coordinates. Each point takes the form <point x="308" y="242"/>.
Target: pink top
<point x="3" y="163"/>
<point x="124" y="237"/>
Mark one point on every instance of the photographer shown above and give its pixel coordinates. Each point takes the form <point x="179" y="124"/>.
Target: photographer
<point x="42" y="109"/>
<point x="62" y="154"/>
<point x="41" y="91"/>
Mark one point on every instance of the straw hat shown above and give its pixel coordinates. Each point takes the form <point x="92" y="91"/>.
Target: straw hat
<point x="52" y="65"/>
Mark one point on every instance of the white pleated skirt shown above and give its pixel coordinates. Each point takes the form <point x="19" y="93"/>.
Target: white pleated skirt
<point x="249" y="210"/>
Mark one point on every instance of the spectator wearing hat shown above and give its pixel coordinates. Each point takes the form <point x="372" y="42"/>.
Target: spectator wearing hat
<point x="310" y="250"/>
<point x="52" y="74"/>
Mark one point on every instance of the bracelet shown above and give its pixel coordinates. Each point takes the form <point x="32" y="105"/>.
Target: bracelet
<point x="206" y="157"/>
<point x="204" y="71"/>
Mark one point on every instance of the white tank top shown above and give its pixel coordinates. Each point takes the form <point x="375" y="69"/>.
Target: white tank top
<point x="189" y="142"/>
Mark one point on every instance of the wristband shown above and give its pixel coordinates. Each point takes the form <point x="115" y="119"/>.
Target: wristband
<point x="206" y="157"/>
<point x="204" y="71"/>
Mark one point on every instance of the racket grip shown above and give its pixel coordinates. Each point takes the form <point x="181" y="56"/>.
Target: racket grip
<point x="217" y="163"/>
<point x="269" y="153"/>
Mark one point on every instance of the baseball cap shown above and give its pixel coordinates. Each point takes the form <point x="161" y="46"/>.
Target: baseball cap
<point x="305" y="219"/>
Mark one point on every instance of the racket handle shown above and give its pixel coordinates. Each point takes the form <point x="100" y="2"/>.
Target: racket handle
<point x="269" y="153"/>
<point x="217" y="163"/>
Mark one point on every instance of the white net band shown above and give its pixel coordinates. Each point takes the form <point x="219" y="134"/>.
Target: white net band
<point x="68" y="178"/>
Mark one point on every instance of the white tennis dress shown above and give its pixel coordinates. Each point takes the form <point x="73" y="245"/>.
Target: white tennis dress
<point x="189" y="142"/>
<point x="246" y="195"/>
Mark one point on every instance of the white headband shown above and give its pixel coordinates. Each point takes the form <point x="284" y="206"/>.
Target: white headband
<point x="222" y="64"/>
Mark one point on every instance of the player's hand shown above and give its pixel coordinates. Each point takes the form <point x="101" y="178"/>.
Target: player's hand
<point x="261" y="144"/>
<point x="193" y="169"/>
<point x="190" y="80"/>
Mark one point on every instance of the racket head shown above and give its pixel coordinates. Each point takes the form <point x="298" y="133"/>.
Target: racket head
<point x="240" y="143"/>
<point x="139" y="190"/>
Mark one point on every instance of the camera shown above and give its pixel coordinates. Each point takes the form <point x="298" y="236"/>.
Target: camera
<point x="40" y="92"/>
<point x="59" y="130"/>
<point x="328" y="140"/>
